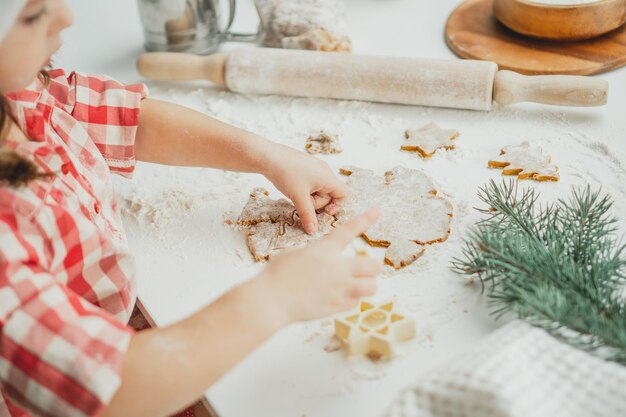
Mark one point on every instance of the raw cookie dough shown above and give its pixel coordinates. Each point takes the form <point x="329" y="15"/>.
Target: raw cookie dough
<point x="426" y="140"/>
<point x="317" y="25"/>
<point x="413" y="215"/>
<point x="527" y="162"/>
<point x="273" y="225"/>
<point x="324" y="144"/>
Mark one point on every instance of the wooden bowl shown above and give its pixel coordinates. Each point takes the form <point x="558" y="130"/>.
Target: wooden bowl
<point x="561" y="22"/>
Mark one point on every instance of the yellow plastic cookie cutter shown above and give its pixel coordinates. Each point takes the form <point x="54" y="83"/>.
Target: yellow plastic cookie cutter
<point x="374" y="329"/>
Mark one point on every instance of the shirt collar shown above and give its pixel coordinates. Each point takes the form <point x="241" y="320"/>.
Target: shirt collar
<point x="30" y="112"/>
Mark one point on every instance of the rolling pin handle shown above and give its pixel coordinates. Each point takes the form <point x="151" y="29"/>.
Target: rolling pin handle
<point x="566" y="90"/>
<point x="172" y="66"/>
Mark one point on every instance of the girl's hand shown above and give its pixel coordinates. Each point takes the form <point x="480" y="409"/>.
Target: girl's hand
<point x="307" y="181"/>
<point x="318" y="280"/>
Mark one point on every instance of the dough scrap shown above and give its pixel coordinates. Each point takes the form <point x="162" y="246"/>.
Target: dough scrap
<point x="317" y="25"/>
<point x="324" y="144"/>
<point x="261" y="208"/>
<point x="426" y="140"/>
<point x="527" y="162"/>
<point x="274" y="225"/>
<point x="413" y="214"/>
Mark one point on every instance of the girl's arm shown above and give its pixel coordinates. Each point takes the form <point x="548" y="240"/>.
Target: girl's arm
<point x="170" y="134"/>
<point x="167" y="369"/>
<point x="175" y="135"/>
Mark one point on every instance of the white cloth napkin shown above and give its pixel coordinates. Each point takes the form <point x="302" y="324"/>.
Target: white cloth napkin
<point x="518" y="371"/>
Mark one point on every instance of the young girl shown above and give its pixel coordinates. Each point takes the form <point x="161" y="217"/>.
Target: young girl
<point x="66" y="277"/>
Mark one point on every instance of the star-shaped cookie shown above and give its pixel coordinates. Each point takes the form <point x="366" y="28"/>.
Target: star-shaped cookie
<point x="426" y="140"/>
<point x="527" y="162"/>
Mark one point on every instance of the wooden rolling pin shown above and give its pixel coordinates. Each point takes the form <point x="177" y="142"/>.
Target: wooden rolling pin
<point x="464" y="84"/>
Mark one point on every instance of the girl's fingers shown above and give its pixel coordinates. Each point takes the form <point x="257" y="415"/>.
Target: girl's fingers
<point x="320" y="200"/>
<point x="363" y="287"/>
<point x="343" y="235"/>
<point x="363" y="266"/>
<point x="339" y="193"/>
<point x="306" y="211"/>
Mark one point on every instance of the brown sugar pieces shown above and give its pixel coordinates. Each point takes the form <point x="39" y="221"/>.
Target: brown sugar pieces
<point x="413" y="214"/>
<point x="428" y="139"/>
<point x="323" y="143"/>
<point x="527" y="162"/>
<point x="273" y="225"/>
<point x="374" y="330"/>
<point x="317" y="25"/>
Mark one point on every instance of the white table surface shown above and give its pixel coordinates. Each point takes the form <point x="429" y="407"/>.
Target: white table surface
<point x="291" y="375"/>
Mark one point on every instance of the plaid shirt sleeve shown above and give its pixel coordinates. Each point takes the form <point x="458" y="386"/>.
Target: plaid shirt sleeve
<point x="107" y="109"/>
<point x="59" y="355"/>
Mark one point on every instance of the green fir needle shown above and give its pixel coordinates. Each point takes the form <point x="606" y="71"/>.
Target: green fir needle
<point x="559" y="266"/>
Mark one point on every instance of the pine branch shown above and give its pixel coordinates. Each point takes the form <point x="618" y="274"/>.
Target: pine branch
<point x="559" y="266"/>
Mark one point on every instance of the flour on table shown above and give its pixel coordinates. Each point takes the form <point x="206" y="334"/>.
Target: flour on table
<point x="333" y="346"/>
<point x="527" y="162"/>
<point x="157" y="211"/>
<point x="426" y="140"/>
<point x="365" y="369"/>
<point x="414" y="216"/>
<point x="228" y="219"/>
<point x="367" y="129"/>
<point x="323" y="143"/>
<point x="305" y="24"/>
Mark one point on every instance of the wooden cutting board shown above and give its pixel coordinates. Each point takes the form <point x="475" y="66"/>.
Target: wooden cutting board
<point x="473" y="32"/>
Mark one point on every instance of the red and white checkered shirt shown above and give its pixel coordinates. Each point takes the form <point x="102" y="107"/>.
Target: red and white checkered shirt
<point x="67" y="283"/>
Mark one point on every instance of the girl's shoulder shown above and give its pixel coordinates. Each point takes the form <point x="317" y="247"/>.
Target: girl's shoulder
<point x="84" y="96"/>
<point x="58" y="88"/>
<point x="54" y="87"/>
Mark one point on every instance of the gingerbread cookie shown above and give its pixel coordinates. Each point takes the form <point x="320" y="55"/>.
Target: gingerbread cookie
<point x="527" y="162"/>
<point x="413" y="214"/>
<point x="426" y="140"/>
<point x="323" y="143"/>
<point x="273" y="225"/>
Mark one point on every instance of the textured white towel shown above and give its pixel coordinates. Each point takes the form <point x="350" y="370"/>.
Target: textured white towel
<point x="9" y="10"/>
<point x="518" y="371"/>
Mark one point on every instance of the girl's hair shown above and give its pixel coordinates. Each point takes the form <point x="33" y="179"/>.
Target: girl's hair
<point x="15" y="170"/>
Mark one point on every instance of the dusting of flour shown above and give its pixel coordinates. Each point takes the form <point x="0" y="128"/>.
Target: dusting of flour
<point x="158" y="211"/>
<point x="185" y="209"/>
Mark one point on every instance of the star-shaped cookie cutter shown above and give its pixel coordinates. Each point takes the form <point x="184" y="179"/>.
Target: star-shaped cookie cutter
<point x="374" y="329"/>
